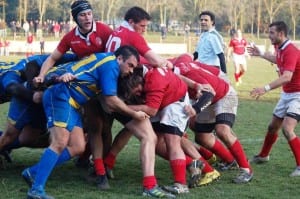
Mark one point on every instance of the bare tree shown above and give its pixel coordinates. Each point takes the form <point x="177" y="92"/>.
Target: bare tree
<point x="3" y="4"/>
<point x="294" y="11"/>
<point x="42" y="8"/>
<point x="273" y="7"/>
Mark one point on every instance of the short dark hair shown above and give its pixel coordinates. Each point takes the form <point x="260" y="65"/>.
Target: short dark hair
<point x="137" y="14"/>
<point x="280" y="26"/>
<point x="126" y="52"/>
<point x="210" y="14"/>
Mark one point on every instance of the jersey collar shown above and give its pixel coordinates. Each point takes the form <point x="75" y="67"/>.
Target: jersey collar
<point x="284" y="44"/>
<point x="77" y="32"/>
<point x="125" y="24"/>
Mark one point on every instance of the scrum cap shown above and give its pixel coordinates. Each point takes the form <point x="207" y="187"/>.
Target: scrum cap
<point x="79" y="6"/>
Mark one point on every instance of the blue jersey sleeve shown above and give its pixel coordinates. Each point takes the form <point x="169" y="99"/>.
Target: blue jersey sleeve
<point x="11" y="77"/>
<point x="108" y="78"/>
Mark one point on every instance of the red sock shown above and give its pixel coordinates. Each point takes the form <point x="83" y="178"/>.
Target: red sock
<point x="110" y="160"/>
<point x="236" y="77"/>
<point x="149" y="182"/>
<point x="206" y="154"/>
<point x="295" y="146"/>
<point x="241" y="74"/>
<point x="99" y="166"/>
<point x="207" y="168"/>
<point x="178" y="170"/>
<point x="188" y="160"/>
<point x="222" y="152"/>
<point x="270" y="139"/>
<point x="237" y="151"/>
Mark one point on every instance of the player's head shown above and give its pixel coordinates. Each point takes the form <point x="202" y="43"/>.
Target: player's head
<point x="79" y="7"/>
<point x="138" y="18"/>
<point x="130" y="88"/>
<point x="207" y="20"/>
<point x="278" y="31"/>
<point x="128" y="59"/>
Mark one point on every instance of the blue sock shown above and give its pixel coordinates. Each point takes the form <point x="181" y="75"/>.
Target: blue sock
<point x="45" y="167"/>
<point x="33" y="169"/>
<point x="64" y="157"/>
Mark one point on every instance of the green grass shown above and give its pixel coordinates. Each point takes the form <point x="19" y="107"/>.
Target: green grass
<point x="271" y="180"/>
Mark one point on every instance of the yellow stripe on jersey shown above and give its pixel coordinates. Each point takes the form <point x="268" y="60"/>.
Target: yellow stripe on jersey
<point x="73" y="103"/>
<point x="60" y="124"/>
<point x="103" y="61"/>
<point x="83" y="62"/>
<point x="94" y="88"/>
<point x="77" y="88"/>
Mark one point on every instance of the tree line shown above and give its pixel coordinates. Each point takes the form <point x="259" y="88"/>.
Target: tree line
<point x="251" y="16"/>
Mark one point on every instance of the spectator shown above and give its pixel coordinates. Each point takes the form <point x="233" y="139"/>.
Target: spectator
<point x="6" y="47"/>
<point x="1" y="47"/>
<point x="42" y="45"/>
<point x="29" y="44"/>
<point x="26" y="28"/>
<point x="163" y="31"/>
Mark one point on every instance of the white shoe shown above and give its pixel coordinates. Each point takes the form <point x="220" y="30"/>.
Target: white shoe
<point x="259" y="160"/>
<point x="296" y="172"/>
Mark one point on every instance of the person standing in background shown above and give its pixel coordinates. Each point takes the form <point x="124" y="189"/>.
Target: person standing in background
<point x="210" y="47"/>
<point x="237" y="48"/>
<point x="29" y="44"/>
<point x="42" y="45"/>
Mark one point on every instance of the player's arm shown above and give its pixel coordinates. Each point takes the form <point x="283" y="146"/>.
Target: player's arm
<point x="268" y="56"/>
<point x="20" y="91"/>
<point x="115" y="104"/>
<point x="221" y="57"/>
<point x="147" y="109"/>
<point x="198" y="88"/>
<point x="156" y="60"/>
<point x="253" y="50"/>
<point x="229" y="53"/>
<point x="283" y="79"/>
<point x="47" y="65"/>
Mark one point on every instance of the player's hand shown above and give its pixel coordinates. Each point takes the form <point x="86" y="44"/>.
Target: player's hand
<point x="203" y="87"/>
<point x="37" y="81"/>
<point x="257" y="92"/>
<point x="140" y="115"/>
<point x="190" y="111"/>
<point x="67" y="77"/>
<point x="37" y="97"/>
<point x="253" y="50"/>
<point x="169" y="65"/>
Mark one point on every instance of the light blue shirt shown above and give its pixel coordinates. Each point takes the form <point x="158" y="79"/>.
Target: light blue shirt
<point x="209" y="45"/>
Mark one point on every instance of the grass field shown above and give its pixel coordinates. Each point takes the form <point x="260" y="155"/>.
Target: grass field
<point x="271" y="180"/>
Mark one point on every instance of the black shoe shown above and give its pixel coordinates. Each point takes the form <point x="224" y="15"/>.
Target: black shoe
<point x="6" y="155"/>
<point x="102" y="182"/>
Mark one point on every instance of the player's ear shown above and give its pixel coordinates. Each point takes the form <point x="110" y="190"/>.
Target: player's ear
<point x="120" y="58"/>
<point x="130" y="21"/>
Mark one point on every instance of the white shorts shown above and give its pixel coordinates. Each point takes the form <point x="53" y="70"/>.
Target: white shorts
<point x="239" y="59"/>
<point x="228" y="104"/>
<point x="288" y="103"/>
<point x="174" y="115"/>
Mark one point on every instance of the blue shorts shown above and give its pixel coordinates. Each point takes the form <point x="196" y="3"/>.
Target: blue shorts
<point x="58" y="110"/>
<point x="22" y="113"/>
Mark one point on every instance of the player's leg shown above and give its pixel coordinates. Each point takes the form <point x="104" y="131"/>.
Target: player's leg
<point x="272" y="133"/>
<point x="120" y="141"/>
<point x="289" y="124"/>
